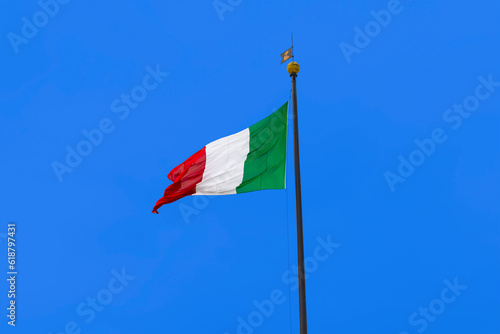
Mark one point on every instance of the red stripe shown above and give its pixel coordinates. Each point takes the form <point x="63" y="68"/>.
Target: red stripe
<point x="185" y="177"/>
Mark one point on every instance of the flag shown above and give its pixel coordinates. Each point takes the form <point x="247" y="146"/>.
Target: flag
<point x="250" y="160"/>
<point x="286" y="55"/>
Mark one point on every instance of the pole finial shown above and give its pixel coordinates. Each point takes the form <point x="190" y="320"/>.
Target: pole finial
<point x="293" y="67"/>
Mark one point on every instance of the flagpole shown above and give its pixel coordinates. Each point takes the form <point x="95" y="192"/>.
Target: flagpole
<point x="293" y="68"/>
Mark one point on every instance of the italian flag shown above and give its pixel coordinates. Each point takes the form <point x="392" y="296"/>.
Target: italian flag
<point x="250" y="160"/>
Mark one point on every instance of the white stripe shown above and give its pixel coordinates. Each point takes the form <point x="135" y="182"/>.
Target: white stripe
<point x="225" y="162"/>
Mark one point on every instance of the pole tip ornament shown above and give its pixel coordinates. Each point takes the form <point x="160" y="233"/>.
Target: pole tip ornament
<point x="293" y="67"/>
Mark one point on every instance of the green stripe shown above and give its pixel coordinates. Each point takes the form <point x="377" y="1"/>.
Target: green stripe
<point x="265" y="165"/>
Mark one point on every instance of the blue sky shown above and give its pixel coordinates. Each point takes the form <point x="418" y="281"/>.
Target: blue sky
<point x="399" y="112"/>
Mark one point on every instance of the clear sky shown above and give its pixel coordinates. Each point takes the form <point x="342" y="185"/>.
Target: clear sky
<point x="400" y="152"/>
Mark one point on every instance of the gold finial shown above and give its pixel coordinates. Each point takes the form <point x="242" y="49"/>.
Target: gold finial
<point x="293" y="67"/>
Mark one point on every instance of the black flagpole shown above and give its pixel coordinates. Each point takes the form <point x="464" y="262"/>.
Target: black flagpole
<point x="293" y="68"/>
